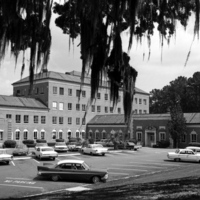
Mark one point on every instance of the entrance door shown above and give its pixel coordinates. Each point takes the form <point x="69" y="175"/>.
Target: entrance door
<point x="150" y="139"/>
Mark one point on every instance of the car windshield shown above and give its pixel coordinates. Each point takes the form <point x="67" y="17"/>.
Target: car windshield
<point x="86" y="166"/>
<point x="47" y="149"/>
<point x="60" y="143"/>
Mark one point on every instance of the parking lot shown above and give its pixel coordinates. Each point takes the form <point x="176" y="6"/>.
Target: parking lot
<point x="21" y="174"/>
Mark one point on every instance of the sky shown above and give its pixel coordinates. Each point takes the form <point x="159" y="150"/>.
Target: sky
<point x="155" y="73"/>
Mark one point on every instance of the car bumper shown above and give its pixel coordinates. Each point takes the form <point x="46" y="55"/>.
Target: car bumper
<point x="49" y="156"/>
<point x="104" y="178"/>
<point x="61" y="150"/>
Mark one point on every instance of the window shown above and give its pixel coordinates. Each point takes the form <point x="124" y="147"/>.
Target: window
<point x="83" y="93"/>
<point x="119" y="110"/>
<point x="139" y="136"/>
<point x="54" y="105"/>
<point x="18" y="118"/>
<point x="83" y="134"/>
<point x="83" y="107"/>
<point x="17" y="135"/>
<point x="60" y="135"/>
<point x="140" y="111"/>
<point x="103" y="135"/>
<point x="18" y="93"/>
<point x="83" y="121"/>
<point x="35" y="135"/>
<point x="93" y="108"/>
<point x="162" y="136"/>
<point x="135" y="111"/>
<point x="78" y="93"/>
<point x="54" y="120"/>
<point x="98" y="108"/>
<point x="135" y="100"/>
<point x="25" y="118"/>
<point x="8" y="116"/>
<point x="111" y="109"/>
<point x="53" y="134"/>
<point x="69" y="120"/>
<point x="144" y="111"/>
<point x="42" y="90"/>
<point x="69" y="92"/>
<point x="144" y="101"/>
<point x="25" y="135"/>
<point x="54" y="90"/>
<point x="35" y="119"/>
<point x="193" y="137"/>
<point x="69" y="106"/>
<point x="106" y="109"/>
<point x="61" y="91"/>
<point x="42" y="135"/>
<point x="98" y="95"/>
<point x="77" y="121"/>
<point x="183" y="138"/>
<point x="77" y="134"/>
<point x="106" y="96"/>
<point x="1" y="135"/>
<point x="61" y="106"/>
<point x="140" y="101"/>
<point x="119" y="99"/>
<point x="77" y="106"/>
<point x="43" y="119"/>
<point x="60" y="120"/>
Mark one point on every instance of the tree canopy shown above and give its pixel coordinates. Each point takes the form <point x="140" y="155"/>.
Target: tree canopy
<point x="25" y="26"/>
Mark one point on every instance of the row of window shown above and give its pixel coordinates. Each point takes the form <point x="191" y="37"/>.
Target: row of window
<point x="140" y="111"/>
<point x="94" y="108"/>
<point x="140" y="101"/>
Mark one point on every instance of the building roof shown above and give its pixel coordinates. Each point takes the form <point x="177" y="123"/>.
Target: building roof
<point x="192" y="118"/>
<point x="12" y="101"/>
<point x="73" y="76"/>
<point x="107" y="119"/>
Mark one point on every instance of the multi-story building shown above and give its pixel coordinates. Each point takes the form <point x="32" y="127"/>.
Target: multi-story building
<point x="67" y="105"/>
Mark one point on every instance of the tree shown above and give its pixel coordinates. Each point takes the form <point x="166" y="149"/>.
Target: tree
<point x="25" y="25"/>
<point x="177" y="124"/>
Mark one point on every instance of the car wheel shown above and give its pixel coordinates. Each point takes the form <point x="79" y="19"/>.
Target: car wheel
<point x="95" y="179"/>
<point x="177" y="159"/>
<point x="103" y="154"/>
<point x="91" y="153"/>
<point x="54" y="177"/>
<point x="7" y="162"/>
<point x="53" y="158"/>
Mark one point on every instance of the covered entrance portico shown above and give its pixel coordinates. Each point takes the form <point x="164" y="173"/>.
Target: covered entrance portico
<point x="150" y="136"/>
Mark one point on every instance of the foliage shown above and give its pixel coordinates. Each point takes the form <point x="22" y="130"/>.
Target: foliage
<point x="28" y="141"/>
<point x="41" y="141"/>
<point x="60" y="140"/>
<point x="9" y="144"/>
<point x="196" y="144"/>
<point x="162" y="144"/>
<point x="188" y="91"/>
<point x="99" y="23"/>
<point x="177" y="124"/>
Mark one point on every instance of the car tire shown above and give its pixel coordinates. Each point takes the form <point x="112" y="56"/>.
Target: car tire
<point x="103" y="154"/>
<point x="54" y="177"/>
<point x="177" y="159"/>
<point x="95" y="179"/>
<point x="7" y="162"/>
<point x="91" y="153"/>
<point x="53" y="158"/>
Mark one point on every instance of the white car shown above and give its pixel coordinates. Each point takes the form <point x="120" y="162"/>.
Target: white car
<point x="184" y="155"/>
<point x="45" y="152"/>
<point x="5" y="157"/>
<point x="195" y="149"/>
<point x="97" y="149"/>
<point x="61" y="147"/>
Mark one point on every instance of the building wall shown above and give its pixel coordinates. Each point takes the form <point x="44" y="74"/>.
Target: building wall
<point x="48" y="97"/>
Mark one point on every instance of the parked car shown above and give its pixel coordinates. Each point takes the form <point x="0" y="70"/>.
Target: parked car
<point x="194" y="148"/>
<point x="20" y="150"/>
<point x="5" y="157"/>
<point x="45" y="152"/>
<point x="74" y="146"/>
<point x="76" y="170"/>
<point x="92" y="149"/>
<point x="61" y="147"/>
<point x="184" y="155"/>
<point x="105" y="142"/>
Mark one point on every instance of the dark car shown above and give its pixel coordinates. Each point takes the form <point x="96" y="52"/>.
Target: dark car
<point x="74" y="170"/>
<point x="20" y="150"/>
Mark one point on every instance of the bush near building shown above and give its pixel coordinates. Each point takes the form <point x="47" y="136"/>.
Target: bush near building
<point x="162" y="144"/>
<point x="29" y="143"/>
<point x="196" y="144"/>
<point x="9" y="144"/>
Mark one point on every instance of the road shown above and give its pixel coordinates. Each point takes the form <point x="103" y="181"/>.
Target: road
<point x="21" y="178"/>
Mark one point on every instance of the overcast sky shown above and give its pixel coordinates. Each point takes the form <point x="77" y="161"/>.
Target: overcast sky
<point x="152" y="74"/>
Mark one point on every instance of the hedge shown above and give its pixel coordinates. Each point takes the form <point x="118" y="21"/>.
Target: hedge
<point x="28" y="142"/>
<point x="9" y="144"/>
<point x="60" y="140"/>
<point x="41" y="141"/>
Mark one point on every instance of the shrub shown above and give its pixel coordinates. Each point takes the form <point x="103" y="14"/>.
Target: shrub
<point x="9" y="144"/>
<point x="41" y="141"/>
<point x="51" y="144"/>
<point x="28" y="142"/>
<point x="60" y="140"/>
<point x="162" y="144"/>
<point x="31" y="145"/>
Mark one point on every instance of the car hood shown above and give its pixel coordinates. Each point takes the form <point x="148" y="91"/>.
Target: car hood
<point x="61" y="146"/>
<point x="101" y="148"/>
<point x="5" y="156"/>
<point x="49" y="152"/>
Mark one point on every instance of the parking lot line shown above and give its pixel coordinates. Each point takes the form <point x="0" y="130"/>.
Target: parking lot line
<point x="156" y="163"/>
<point x="19" y="178"/>
<point x="22" y="186"/>
<point x="36" y="161"/>
<point x="138" y="166"/>
<point x="12" y="163"/>
<point x="118" y="173"/>
<point x="142" y="170"/>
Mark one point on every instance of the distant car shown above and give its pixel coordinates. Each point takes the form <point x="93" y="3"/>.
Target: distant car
<point x="96" y="149"/>
<point x="20" y="150"/>
<point x="41" y="145"/>
<point x="61" y="147"/>
<point x="5" y="157"/>
<point x="74" y="146"/>
<point x="184" y="155"/>
<point x="75" y="170"/>
<point x="195" y="149"/>
<point x="45" y="152"/>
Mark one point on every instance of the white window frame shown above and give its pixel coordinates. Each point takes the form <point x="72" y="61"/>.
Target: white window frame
<point x="69" y="106"/>
<point x="35" y="134"/>
<point x="60" y="134"/>
<point x="98" y="109"/>
<point x="54" y="105"/>
<point x="162" y="136"/>
<point x="53" y="134"/>
<point x="61" y="106"/>
<point x="17" y="135"/>
<point x="78" y="121"/>
<point x="139" y="136"/>
<point x="42" y="135"/>
<point x="191" y="137"/>
<point x="25" y="132"/>
<point x="69" y="92"/>
<point x="1" y="134"/>
<point x="69" y="120"/>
